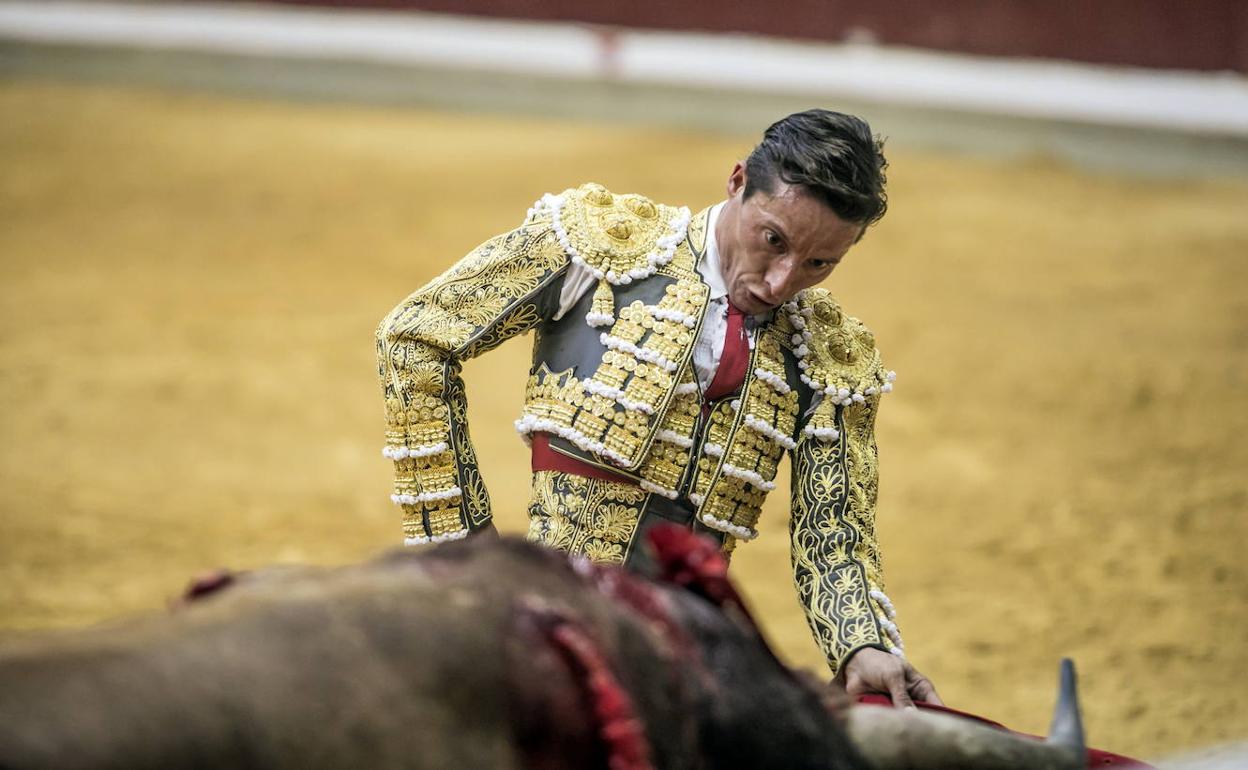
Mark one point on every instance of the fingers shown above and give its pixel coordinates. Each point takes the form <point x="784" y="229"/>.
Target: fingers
<point x="921" y="687"/>
<point x="923" y="690"/>
<point x="897" y="690"/>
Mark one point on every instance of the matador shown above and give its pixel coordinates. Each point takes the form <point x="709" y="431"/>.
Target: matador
<point x="677" y="358"/>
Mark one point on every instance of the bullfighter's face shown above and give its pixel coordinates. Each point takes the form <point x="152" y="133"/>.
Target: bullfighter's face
<point x="772" y="246"/>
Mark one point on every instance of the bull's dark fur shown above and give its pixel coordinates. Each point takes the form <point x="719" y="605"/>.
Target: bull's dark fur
<point x="415" y="660"/>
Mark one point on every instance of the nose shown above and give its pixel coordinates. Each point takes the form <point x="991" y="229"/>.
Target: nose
<point x="780" y="279"/>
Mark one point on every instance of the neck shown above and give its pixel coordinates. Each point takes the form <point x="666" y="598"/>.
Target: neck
<point x="726" y="212"/>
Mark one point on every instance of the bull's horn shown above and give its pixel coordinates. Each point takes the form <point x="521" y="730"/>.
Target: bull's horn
<point x="1066" y="730"/>
<point x="894" y="739"/>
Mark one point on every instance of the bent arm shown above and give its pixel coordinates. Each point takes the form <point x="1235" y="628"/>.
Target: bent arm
<point x="503" y="288"/>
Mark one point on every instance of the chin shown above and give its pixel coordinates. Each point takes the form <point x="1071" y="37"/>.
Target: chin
<point x="753" y="305"/>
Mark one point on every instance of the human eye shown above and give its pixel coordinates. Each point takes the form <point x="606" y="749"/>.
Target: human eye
<point x="773" y="239"/>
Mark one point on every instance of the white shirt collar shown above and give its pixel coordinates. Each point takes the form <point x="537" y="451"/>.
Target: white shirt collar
<point x="709" y="268"/>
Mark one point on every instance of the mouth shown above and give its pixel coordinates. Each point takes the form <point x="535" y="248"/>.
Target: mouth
<point x="760" y="305"/>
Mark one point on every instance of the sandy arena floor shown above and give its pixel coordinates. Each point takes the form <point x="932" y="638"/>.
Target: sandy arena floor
<point x="189" y="287"/>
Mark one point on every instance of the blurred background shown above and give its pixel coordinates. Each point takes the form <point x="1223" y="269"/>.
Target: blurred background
<point x="205" y="209"/>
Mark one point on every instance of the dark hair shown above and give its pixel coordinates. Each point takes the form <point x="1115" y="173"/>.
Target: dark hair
<point x="832" y="155"/>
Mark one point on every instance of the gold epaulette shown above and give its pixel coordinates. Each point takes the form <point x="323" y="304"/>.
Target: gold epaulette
<point x="837" y="355"/>
<point x="620" y="238"/>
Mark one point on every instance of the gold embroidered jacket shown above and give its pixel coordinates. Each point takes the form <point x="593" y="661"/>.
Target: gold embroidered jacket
<point x="613" y="384"/>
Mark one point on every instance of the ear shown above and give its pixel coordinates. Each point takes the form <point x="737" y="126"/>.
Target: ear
<point x="736" y="179"/>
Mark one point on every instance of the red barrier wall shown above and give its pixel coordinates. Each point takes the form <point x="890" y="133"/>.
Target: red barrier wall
<point x="1168" y="34"/>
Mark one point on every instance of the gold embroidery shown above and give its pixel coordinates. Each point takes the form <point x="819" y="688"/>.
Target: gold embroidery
<point x="835" y="558"/>
<point x="842" y="352"/>
<point x="615" y="234"/>
<point x="483" y="299"/>
<point x="593" y="517"/>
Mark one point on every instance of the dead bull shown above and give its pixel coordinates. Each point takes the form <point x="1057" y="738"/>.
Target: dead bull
<point x="473" y="655"/>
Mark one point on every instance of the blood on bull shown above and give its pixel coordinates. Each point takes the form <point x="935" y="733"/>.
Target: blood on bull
<point x="477" y="654"/>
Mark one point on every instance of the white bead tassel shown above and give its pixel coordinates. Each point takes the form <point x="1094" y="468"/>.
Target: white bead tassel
<point x="672" y="437"/>
<point x="602" y="310"/>
<point x="823" y="434"/>
<point x="649" y="486"/>
<point x="426" y="497"/>
<point x="402" y="452"/>
<point x="458" y="534"/>
<point x="596" y="388"/>
<point x="736" y="530"/>
<point x="668" y="314"/>
<point x="530" y="423"/>
<point x="749" y="476"/>
<point x="770" y="431"/>
<point x="649" y="356"/>
<point x="776" y="382"/>
<point x="886" y="621"/>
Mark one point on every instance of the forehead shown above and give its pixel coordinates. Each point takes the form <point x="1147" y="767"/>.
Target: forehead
<point x="806" y="223"/>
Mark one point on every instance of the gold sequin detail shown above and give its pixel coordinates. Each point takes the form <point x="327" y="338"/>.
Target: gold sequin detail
<point x="639" y="370"/>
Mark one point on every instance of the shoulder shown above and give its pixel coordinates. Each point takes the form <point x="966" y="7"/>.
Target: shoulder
<point x="838" y="352"/>
<point x="620" y="237"/>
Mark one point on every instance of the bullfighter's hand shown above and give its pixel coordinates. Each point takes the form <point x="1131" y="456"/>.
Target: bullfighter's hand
<point x="874" y="671"/>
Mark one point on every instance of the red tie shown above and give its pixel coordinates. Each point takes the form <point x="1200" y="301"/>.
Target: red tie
<point x="735" y="359"/>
